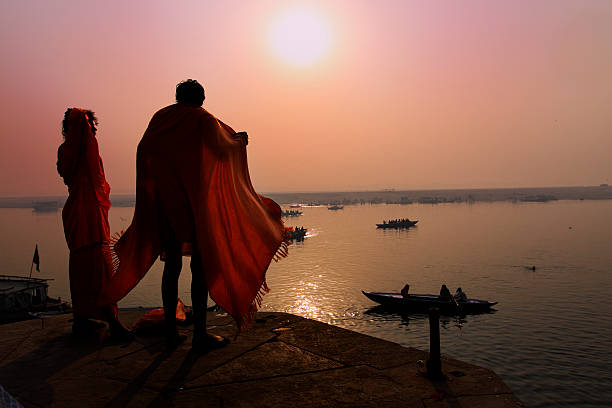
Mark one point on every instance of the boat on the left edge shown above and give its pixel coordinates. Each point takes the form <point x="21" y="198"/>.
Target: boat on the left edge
<point x="23" y="298"/>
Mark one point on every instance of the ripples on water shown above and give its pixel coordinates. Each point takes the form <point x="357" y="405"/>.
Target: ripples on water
<point x="550" y="337"/>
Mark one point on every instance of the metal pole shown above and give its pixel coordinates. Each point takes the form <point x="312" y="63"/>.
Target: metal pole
<point x="434" y="365"/>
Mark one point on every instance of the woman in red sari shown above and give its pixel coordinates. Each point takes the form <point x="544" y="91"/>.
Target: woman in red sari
<point x="86" y="227"/>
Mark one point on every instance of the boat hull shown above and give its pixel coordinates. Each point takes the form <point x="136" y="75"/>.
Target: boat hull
<point x="397" y="225"/>
<point x="421" y="303"/>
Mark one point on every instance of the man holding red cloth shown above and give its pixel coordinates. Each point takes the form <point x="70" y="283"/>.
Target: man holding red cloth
<point x="194" y="197"/>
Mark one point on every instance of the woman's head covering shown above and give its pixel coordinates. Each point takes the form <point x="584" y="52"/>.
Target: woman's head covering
<point x="77" y="123"/>
<point x="76" y="128"/>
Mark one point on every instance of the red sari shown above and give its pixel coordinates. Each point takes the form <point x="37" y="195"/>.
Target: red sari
<point x="192" y="176"/>
<point x="85" y="217"/>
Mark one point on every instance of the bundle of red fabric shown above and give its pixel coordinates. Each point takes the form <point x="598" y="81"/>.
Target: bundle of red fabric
<point x="153" y="320"/>
<point x="192" y="173"/>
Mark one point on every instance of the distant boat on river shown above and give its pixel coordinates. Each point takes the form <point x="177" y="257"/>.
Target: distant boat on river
<point x="291" y="213"/>
<point x="538" y="198"/>
<point x="397" y="224"/>
<point x="298" y="234"/>
<point x="335" y="207"/>
<point x="45" y="206"/>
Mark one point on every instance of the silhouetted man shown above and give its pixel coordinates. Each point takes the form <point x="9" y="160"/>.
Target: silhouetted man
<point x="194" y="197"/>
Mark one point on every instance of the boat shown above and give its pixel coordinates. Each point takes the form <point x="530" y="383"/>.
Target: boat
<point x="429" y="200"/>
<point x="291" y="213"/>
<point x="543" y="198"/>
<point x="45" y="206"/>
<point x="23" y="298"/>
<point x="335" y="207"/>
<point x="298" y="234"/>
<point x="406" y="223"/>
<point x="416" y="303"/>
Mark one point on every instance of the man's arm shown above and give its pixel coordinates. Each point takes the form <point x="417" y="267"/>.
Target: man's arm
<point x="224" y="137"/>
<point x="244" y="135"/>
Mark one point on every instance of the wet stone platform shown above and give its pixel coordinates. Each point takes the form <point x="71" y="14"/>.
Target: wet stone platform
<point x="282" y="360"/>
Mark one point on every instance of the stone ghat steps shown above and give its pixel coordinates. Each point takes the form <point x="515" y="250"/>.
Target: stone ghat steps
<point x="282" y="360"/>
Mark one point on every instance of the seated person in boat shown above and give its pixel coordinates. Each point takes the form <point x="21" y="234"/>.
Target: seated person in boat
<point x="460" y="296"/>
<point x="445" y="293"/>
<point x="405" y="290"/>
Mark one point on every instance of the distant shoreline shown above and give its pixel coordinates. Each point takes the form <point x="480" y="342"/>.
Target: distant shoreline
<point x="388" y="196"/>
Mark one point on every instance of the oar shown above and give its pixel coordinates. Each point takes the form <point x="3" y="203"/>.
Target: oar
<point x="457" y="304"/>
<point x="459" y="312"/>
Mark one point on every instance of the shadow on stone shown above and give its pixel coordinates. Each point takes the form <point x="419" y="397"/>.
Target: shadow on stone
<point x="123" y="398"/>
<point x="175" y="383"/>
<point x="27" y="376"/>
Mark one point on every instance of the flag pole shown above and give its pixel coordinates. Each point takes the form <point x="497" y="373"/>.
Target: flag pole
<point x="35" y="260"/>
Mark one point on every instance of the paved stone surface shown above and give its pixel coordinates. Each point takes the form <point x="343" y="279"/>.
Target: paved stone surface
<point x="281" y="360"/>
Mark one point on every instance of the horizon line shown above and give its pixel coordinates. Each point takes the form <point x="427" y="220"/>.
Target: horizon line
<point x="365" y="190"/>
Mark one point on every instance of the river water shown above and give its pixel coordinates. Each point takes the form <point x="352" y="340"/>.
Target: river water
<point x="549" y="338"/>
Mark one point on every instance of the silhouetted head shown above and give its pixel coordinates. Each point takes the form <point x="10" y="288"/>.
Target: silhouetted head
<point x="190" y="92"/>
<point x="69" y="116"/>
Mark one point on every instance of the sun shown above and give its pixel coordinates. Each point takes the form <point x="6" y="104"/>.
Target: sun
<point x="300" y="36"/>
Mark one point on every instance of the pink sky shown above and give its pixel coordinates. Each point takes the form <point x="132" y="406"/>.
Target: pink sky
<point x="412" y="94"/>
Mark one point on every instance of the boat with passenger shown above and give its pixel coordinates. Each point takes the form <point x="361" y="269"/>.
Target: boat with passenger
<point x="291" y="213"/>
<point x="420" y="303"/>
<point x="298" y="234"/>
<point x="397" y="224"/>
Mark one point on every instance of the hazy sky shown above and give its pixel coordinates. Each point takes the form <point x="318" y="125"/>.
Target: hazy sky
<point x="335" y="95"/>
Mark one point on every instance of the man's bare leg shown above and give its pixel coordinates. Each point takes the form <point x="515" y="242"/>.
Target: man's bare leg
<point x="172" y="271"/>
<point x="202" y="340"/>
<point x="199" y="295"/>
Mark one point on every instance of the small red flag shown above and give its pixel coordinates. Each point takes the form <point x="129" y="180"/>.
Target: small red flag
<point x="36" y="259"/>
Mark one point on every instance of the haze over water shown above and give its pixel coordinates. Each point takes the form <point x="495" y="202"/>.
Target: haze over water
<point x="550" y="337"/>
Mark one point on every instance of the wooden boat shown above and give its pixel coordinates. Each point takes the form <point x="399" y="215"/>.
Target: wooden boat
<point x="45" y="206"/>
<point x="397" y="224"/>
<point x="23" y="298"/>
<point x="298" y="234"/>
<point x="335" y="207"/>
<point x="538" y="198"/>
<point x="291" y="213"/>
<point x="417" y="302"/>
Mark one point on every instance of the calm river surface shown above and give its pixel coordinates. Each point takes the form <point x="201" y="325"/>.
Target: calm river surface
<point x="550" y="337"/>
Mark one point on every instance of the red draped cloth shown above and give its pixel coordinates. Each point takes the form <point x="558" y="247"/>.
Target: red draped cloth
<point x="85" y="218"/>
<point x="192" y="179"/>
